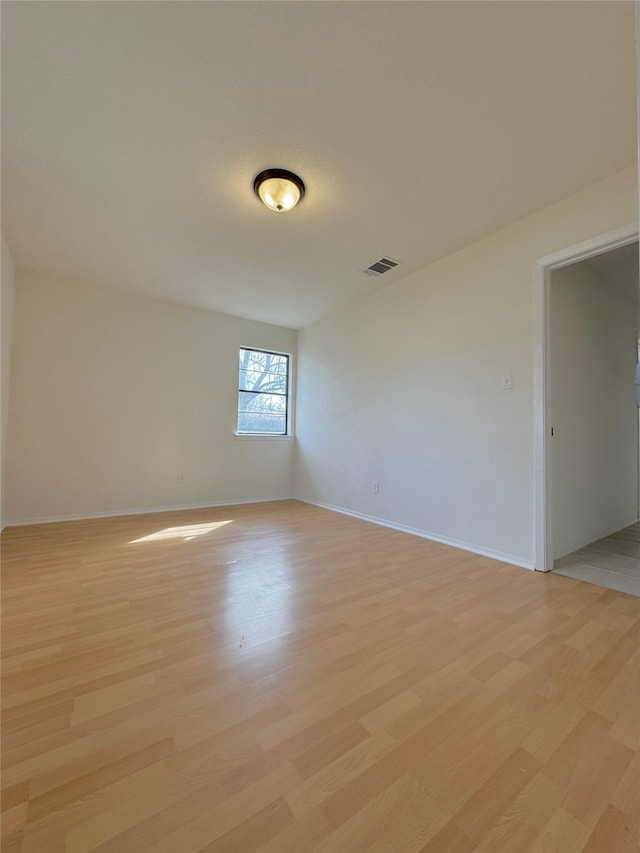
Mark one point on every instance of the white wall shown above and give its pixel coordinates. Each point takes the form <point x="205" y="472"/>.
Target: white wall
<point x="7" y="285"/>
<point x="403" y="386"/>
<point x="116" y="395"/>
<point x="593" y="352"/>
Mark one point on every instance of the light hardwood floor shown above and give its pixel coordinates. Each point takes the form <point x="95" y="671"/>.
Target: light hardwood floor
<point x="293" y="680"/>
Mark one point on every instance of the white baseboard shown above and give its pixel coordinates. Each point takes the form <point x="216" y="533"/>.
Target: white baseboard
<point x="426" y="534"/>
<point x="146" y="511"/>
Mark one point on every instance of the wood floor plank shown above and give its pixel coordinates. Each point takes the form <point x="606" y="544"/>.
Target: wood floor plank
<point x="561" y="832"/>
<point x="262" y="826"/>
<point x="614" y="831"/>
<point x="401" y="817"/>
<point x="292" y="680"/>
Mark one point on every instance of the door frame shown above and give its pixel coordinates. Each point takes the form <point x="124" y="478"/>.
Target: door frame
<point x="542" y="269"/>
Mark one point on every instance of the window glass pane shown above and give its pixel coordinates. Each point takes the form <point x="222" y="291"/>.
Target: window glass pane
<point x="263" y="371"/>
<point x="262" y="413"/>
<point x="256" y="360"/>
<point x="250" y="422"/>
<point x="260" y="380"/>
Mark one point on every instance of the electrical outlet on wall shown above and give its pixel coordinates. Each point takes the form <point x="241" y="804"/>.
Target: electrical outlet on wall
<point x="506" y="382"/>
<point x="376" y="487"/>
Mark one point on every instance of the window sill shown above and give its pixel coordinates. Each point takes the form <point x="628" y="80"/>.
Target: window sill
<point x="256" y="436"/>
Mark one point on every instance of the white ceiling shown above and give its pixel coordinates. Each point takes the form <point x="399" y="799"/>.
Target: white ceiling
<point x="132" y="133"/>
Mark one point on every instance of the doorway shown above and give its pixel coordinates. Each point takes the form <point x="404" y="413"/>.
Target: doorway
<point x="594" y="492"/>
<point x="593" y="332"/>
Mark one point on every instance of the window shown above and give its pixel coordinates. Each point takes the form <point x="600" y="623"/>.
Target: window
<point x="263" y="393"/>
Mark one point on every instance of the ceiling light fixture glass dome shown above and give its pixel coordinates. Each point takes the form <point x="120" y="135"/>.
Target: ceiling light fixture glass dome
<point x="278" y="189"/>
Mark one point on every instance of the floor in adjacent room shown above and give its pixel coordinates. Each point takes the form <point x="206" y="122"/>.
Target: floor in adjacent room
<point x="613" y="562"/>
<point x="278" y="677"/>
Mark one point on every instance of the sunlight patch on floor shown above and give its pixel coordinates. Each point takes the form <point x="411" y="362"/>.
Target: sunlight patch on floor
<point x="185" y="532"/>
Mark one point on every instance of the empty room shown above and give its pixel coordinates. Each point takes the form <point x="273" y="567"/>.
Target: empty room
<point x="319" y="345"/>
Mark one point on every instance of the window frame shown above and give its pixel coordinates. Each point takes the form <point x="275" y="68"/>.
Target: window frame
<point x="288" y="398"/>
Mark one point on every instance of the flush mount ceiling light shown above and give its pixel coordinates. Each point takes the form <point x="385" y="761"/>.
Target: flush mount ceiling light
<point x="278" y="189"/>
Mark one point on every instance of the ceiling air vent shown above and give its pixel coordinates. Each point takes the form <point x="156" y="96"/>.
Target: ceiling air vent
<point x="380" y="267"/>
